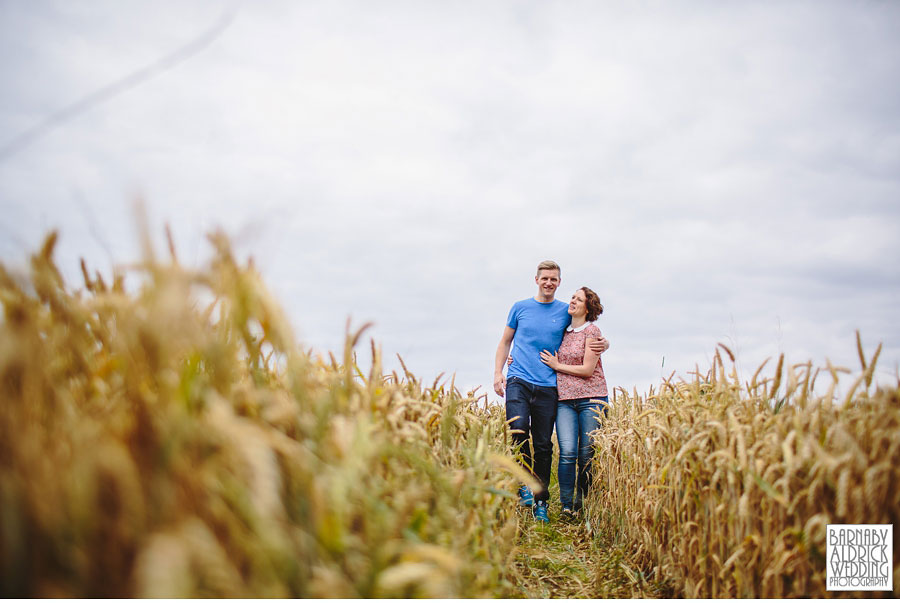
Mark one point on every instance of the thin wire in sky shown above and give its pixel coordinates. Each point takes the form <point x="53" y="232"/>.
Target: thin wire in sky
<point x="112" y="90"/>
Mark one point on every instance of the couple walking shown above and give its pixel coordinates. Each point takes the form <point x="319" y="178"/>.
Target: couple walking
<point x="555" y="377"/>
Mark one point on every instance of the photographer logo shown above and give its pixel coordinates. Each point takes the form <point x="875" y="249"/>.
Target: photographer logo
<point x="859" y="557"/>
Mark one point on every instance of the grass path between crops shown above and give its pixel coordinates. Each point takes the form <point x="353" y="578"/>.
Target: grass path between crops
<point x="574" y="560"/>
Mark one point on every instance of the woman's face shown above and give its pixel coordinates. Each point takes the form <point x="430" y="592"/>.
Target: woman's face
<point x="578" y="304"/>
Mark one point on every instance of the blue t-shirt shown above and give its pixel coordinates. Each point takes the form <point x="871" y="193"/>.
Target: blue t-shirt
<point x="539" y="326"/>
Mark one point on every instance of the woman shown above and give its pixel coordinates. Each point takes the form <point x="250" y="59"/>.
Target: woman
<point x="582" y="396"/>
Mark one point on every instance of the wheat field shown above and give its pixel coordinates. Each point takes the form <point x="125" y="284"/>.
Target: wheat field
<point x="155" y="446"/>
<point x="725" y="489"/>
<point x="176" y="441"/>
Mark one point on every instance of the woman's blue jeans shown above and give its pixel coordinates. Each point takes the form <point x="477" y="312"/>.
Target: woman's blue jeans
<point x="575" y="419"/>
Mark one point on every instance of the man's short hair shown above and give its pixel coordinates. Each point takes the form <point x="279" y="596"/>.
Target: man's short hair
<point x="548" y="265"/>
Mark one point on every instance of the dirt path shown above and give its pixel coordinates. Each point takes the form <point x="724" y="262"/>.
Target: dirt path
<point x="569" y="560"/>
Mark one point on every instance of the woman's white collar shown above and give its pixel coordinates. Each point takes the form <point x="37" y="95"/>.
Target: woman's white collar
<point x="578" y="329"/>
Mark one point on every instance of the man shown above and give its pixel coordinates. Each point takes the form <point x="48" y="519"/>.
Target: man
<point x="535" y="324"/>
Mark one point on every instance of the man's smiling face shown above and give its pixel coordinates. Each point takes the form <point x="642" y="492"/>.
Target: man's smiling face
<point x="547" y="282"/>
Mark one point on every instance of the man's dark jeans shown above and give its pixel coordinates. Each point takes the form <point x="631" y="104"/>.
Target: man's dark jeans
<point x="534" y="407"/>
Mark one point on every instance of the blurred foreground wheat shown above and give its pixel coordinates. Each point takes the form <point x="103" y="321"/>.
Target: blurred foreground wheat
<point x="177" y="443"/>
<point x="725" y="489"/>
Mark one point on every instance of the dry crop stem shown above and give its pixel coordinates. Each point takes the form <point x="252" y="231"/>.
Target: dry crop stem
<point x="725" y="490"/>
<point x="155" y="446"/>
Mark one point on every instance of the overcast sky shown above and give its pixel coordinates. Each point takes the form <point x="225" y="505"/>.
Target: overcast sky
<point x="716" y="171"/>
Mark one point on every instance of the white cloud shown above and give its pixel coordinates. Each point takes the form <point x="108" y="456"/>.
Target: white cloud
<point x="716" y="172"/>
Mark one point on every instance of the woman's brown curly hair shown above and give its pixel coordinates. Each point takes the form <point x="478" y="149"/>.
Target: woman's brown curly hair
<point x="592" y="301"/>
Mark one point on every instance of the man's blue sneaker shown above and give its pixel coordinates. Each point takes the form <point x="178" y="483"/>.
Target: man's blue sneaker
<point x="540" y="512"/>
<point x="526" y="498"/>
